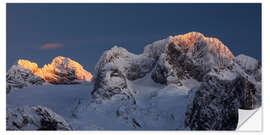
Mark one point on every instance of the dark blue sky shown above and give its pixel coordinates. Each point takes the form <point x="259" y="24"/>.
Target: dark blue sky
<point x="83" y="31"/>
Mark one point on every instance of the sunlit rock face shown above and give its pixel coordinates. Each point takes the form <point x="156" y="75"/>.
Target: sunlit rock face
<point x="191" y="55"/>
<point x="226" y="82"/>
<point x="33" y="67"/>
<point x="34" y="118"/>
<point x="62" y="70"/>
<point x="192" y="66"/>
<point x="175" y="59"/>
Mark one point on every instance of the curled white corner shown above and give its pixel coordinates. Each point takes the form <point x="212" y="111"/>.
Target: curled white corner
<point x="250" y="120"/>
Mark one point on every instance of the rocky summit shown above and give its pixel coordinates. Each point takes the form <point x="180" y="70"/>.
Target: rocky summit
<point x="62" y="70"/>
<point x="226" y="82"/>
<point x="183" y="82"/>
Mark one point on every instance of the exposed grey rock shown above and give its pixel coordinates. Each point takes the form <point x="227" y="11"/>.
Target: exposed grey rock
<point x="155" y="49"/>
<point x="115" y="67"/>
<point x="214" y="105"/>
<point x="111" y="83"/>
<point x="252" y="97"/>
<point x="34" y="118"/>
<point x="191" y="55"/>
<point x="250" y="69"/>
<point x="19" y="77"/>
<point x="250" y="65"/>
<point x="220" y="84"/>
<point x="228" y="83"/>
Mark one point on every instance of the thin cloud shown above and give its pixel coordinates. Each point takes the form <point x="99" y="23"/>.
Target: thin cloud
<point x="51" y="46"/>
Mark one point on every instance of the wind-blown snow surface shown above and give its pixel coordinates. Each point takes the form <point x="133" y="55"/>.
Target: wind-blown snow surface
<point x="158" y="107"/>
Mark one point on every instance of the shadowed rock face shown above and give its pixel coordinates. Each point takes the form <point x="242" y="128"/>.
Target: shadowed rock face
<point x="61" y="71"/>
<point x="178" y="58"/>
<point x="115" y="67"/>
<point x="119" y="65"/>
<point x="19" y="77"/>
<point x="250" y="65"/>
<point x="193" y="56"/>
<point x="109" y="84"/>
<point x="252" y="96"/>
<point x="35" y="118"/>
<point x="252" y="73"/>
<point x="214" y="105"/>
<point x="227" y="82"/>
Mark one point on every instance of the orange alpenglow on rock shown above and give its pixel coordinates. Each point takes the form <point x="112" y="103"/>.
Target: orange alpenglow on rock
<point x="188" y="41"/>
<point x="62" y="70"/>
<point x="28" y="65"/>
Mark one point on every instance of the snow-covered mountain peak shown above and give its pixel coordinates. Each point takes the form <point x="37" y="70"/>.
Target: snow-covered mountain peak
<point x="247" y="62"/>
<point x="109" y="56"/>
<point x="18" y="77"/>
<point x="28" y="65"/>
<point x="195" y="44"/>
<point x="186" y="40"/>
<point x="191" y="55"/>
<point x="183" y="82"/>
<point x="62" y="70"/>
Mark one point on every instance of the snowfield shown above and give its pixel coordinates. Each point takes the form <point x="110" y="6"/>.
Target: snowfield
<point x="183" y="82"/>
<point x="158" y="107"/>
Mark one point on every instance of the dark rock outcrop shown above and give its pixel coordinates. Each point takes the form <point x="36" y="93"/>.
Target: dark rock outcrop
<point x="251" y="71"/>
<point x="193" y="56"/>
<point x="214" y="105"/>
<point x="34" y="118"/>
<point x="19" y="77"/>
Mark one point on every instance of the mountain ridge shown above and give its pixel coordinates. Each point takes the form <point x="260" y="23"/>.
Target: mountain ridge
<point x="175" y="60"/>
<point x="183" y="82"/>
<point x="61" y="70"/>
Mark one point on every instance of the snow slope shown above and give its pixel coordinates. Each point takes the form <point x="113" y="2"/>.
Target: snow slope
<point x="185" y="82"/>
<point x="158" y="107"/>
